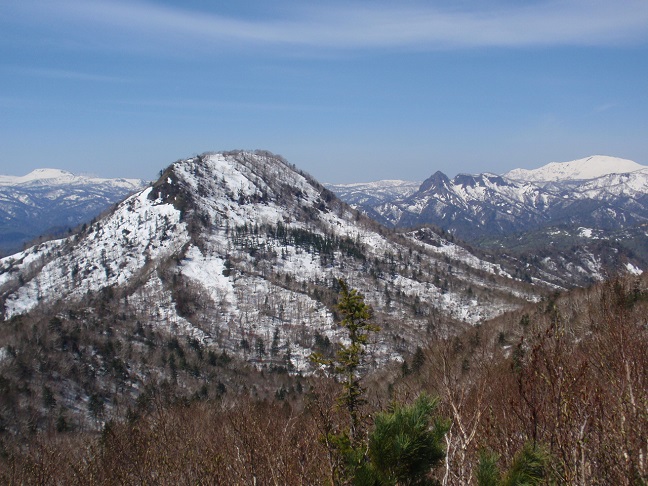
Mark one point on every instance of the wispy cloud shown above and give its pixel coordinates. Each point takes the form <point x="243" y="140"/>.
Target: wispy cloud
<point x="64" y="74"/>
<point x="211" y="105"/>
<point x="606" y="107"/>
<point x="359" y="26"/>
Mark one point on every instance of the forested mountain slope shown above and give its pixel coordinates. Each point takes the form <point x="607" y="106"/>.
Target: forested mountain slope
<point x="552" y="393"/>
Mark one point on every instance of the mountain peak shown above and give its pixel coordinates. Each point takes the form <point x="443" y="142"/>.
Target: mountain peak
<point x="581" y="169"/>
<point x="435" y="181"/>
<point x="46" y="173"/>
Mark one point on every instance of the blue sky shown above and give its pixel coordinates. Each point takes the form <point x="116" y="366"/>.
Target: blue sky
<point x="348" y="91"/>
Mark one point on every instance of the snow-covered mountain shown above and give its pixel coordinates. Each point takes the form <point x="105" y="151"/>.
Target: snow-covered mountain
<point x="50" y="201"/>
<point x="577" y="170"/>
<point x="239" y="248"/>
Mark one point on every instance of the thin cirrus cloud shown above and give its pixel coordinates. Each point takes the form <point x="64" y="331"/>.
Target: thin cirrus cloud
<point x="355" y="26"/>
<point x="65" y="74"/>
<point x="605" y="107"/>
<point x="208" y="105"/>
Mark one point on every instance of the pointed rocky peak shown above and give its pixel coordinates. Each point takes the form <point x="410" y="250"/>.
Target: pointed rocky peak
<point x="436" y="181"/>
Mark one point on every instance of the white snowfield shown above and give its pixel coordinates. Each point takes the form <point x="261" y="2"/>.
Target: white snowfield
<point x="599" y="178"/>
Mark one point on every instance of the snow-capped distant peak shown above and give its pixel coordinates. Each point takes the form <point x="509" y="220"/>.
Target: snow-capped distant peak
<point x="581" y="169"/>
<point x="36" y="175"/>
<point x="46" y="174"/>
<point x="57" y="177"/>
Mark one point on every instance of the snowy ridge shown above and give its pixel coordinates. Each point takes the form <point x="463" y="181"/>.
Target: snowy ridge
<point x="576" y="170"/>
<point x="64" y="178"/>
<point x="110" y="254"/>
<point x="634" y="185"/>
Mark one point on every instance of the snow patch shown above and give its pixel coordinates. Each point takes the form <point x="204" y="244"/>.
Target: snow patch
<point x="633" y="269"/>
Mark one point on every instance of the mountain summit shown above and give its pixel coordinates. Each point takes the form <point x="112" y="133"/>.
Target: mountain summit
<point x="37" y="175"/>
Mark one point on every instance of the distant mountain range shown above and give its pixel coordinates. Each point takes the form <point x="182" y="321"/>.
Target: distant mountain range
<point x="51" y="201"/>
<point x="374" y="194"/>
<point x="577" y="204"/>
<point x="600" y="192"/>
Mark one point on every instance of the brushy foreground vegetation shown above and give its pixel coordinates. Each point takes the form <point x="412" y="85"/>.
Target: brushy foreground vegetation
<point x="553" y="394"/>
